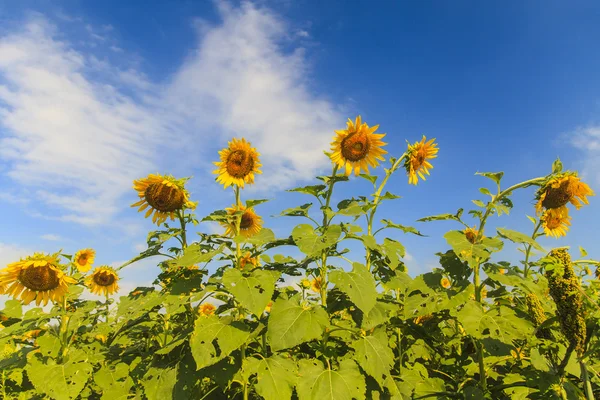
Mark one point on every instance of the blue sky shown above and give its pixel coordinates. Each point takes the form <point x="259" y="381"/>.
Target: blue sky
<point x="96" y="94"/>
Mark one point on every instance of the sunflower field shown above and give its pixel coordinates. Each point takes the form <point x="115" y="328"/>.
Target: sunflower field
<point x="234" y="316"/>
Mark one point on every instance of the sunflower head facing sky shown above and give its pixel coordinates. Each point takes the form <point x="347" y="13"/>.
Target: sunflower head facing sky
<point x="250" y="223"/>
<point x="357" y="147"/>
<point x="84" y="259"/>
<point x="103" y="281"/>
<point x="556" y="221"/>
<point x="162" y="195"/>
<point x="418" y="154"/>
<point x="561" y="189"/>
<point x="239" y="162"/>
<point x="39" y="277"/>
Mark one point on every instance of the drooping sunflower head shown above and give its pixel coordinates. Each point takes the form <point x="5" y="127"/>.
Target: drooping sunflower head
<point x="556" y="221"/>
<point x="561" y="189"/>
<point x="248" y="262"/>
<point x="418" y="154"/>
<point x="207" y="309"/>
<point x="250" y="222"/>
<point x="39" y="277"/>
<point x="84" y="259"/>
<point x="103" y="281"/>
<point x="471" y="234"/>
<point x="239" y="162"/>
<point x="163" y="195"/>
<point x="357" y="147"/>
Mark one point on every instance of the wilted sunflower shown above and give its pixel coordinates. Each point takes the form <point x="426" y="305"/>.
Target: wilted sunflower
<point x="164" y="194"/>
<point x="250" y="223"/>
<point x="38" y="277"/>
<point x="247" y="260"/>
<point x="239" y="162"/>
<point x="207" y="309"/>
<point x="357" y="147"/>
<point x="562" y="189"/>
<point x="84" y="259"/>
<point x="556" y="221"/>
<point x="103" y="281"/>
<point x="416" y="163"/>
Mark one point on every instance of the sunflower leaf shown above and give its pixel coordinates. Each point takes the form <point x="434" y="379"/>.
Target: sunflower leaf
<point x="495" y="176"/>
<point x="403" y="228"/>
<point x="252" y="203"/>
<point x="374" y="356"/>
<point x="300" y="211"/>
<point x="370" y="178"/>
<point x="252" y="290"/>
<point x="358" y="284"/>
<point x="318" y="383"/>
<point x="276" y="376"/>
<point x="518" y="237"/>
<point x="310" y="242"/>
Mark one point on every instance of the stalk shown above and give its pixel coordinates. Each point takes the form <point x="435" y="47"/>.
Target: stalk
<point x="528" y="249"/>
<point x="587" y="385"/>
<point x="325" y="225"/>
<point x="183" y="233"/>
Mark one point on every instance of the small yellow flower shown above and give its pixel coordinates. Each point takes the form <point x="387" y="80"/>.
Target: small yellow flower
<point x="421" y="319"/>
<point x="445" y="282"/>
<point x="316" y="284"/>
<point x="357" y="147"/>
<point x="239" y="162"/>
<point x="556" y="221"/>
<point x="103" y="281"/>
<point x="250" y="223"/>
<point x="165" y="196"/>
<point x="84" y="259"/>
<point x="471" y="234"/>
<point x="416" y="163"/>
<point x="248" y="260"/>
<point x="305" y="283"/>
<point x="207" y="309"/>
<point x="268" y="307"/>
<point x="502" y="271"/>
<point x="101" y="338"/>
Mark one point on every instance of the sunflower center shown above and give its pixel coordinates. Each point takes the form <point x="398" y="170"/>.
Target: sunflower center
<point x="239" y="164"/>
<point x="104" y="278"/>
<point x="471" y="236"/>
<point x="82" y="259"/>
<point x="246" y="221"/>
<point x="39" y="279"/>
<point x="557" y="197"/>
<point x="164" y="198"/>
<point x="553" y="223"/>
<point x="355" y="146"/>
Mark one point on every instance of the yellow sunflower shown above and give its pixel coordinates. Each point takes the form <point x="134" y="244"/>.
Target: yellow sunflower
<point x="239" y="162"/>
<point x="357" y="147"/>
<point x="316" y="284"/>
<point x="207" y="309"/>
<point x="252" y="262"/>
<point x="84" y="259"/>
<point x="445" y="282"/>
<point x="38" y="277"/>
<point x="556" y="221"/>
<point x="250" y="223"/>
<point x="471" y="234"/>
<point x="416" y="163"/>
<point x="103" y="281"/>
<point x="163" y="194"/>
<point x="562" y="189"/>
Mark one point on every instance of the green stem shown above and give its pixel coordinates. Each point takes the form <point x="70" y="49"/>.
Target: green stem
<point x="528" y="249"/>
<point x="399" y="339"/>
<point x="377" y="200"/>
<point x="587" y="385"/>
<point x="107" y="309"/>
<point x="264" y="344"/>
<point x="243" y="350"/>
<point x="325" y="225"/>
<point x="238" y="222"/>
<point x="183" y="233"/>
<point x="63" y="331"/>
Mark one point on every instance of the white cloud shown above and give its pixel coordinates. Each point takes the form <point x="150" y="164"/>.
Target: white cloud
<point x="588" y="141"/>
<point x="51" y="237"/>
<point x="76" y="128"/>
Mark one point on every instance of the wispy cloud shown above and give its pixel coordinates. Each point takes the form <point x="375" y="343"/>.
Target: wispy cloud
<point x="51" y="237"/>
<point x="587" y="140"/>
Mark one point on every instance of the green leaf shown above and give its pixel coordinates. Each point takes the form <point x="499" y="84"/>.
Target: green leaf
<point x="358" y="284"/>
<point x="459" y="243"/>
<point x="479" y="203"/>
<point x="405" y="229"/>
<point x="582" y="251"/>
<point x="252" y="203"/>
<point x="401" y="281"/>
<point x="114" y="382"/>
<point x="486" y="191"/>
<point x="134" y="306"/>
<point x="276" y="376"/>
<point x="557" y="166"/>
<point x="194" y="254"/>
<point x="159" y="382"/>
<point x="318" y="383"/>
<point x="314" y="190"/>
<point x="265" y="235"/>
<point x="518" y="237"/>
<point x="495" y="176"/>
<point x="60" y="381"/>
<point x="370" y="178"/>
<point x="300" y="211"/>
<point x="443" y="217"/>
<point x="12" y="309"/>
<point x="292" y="323"/>
<point x="374" y="356"/>
<point x="252" y="290"/>
<point x="393" y="250"/>
<point x="389" y="196"/>
<point x="227" y="335"/>
<point x="350" y="208"/>
<point x="310" y="242"/>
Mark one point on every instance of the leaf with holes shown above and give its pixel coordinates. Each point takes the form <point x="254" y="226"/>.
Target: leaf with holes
<point x="310" y="242"/>
<point x="252" y="290"/>
<point x="374" y="356"/>
<point x="358" y="284"/>
<point x="318" y="383"/>
<point x="275" y="376"/>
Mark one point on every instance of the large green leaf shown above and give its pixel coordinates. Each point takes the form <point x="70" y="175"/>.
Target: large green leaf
<point x="60" y="381"/>
<point x="310" y="242"/>
<point x="292" y="323"/>
<point x="318" y="383"/>
<point x="374" y="356"/>
<point x="252" y="290"/>
<point x="358" y="284"/>
<point x="194" y="254"/>
<point x="276" y="376"/>
<point x="519" y="237"/>
<point x="158" y="383"/>
<point x="114" y="382"/>
<point x="134" y="306"/>
<point x="498" y="323"/>
<point x="227" y="335"/>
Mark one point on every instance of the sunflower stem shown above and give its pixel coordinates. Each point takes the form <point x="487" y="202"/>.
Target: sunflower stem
<point x="63" y="330"/>
<point x="587" y="385"/>
<point x="325" y="225"/>
<point x="181" y="215"/>
<point x="238" y="222"/>
<point x="377" y="200"/>
<point x="528" y="249"/>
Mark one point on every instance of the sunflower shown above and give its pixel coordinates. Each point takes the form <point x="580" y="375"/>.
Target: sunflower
<point x="84" y="259"/>
<point x="246" y="259"/>
<point x="305" y="283"/>
<point x="562" y="189"/>
<point x="38" y="277"/>
<point x="471" y="234"/>
<point x="445" y="282"/>
<point x="164" y="194"/>
<point x="103" y="281"/>
<point x="239" y="162"/>
<point x="416" y="163"/>
<point x="316" y="284"/>
<point x="250" y="223"/>
<point x="207" y="309"/>
<point x="556" y="221"/>
<point x="357" y="147"/>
